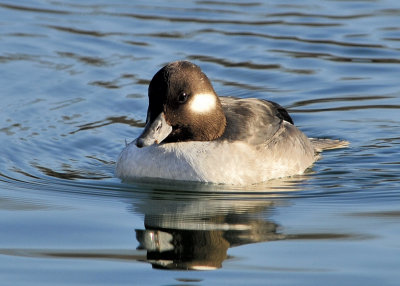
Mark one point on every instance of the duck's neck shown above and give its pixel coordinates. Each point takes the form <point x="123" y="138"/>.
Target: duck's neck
<point x="212" y="126"/>
<point x="203" y="127"/>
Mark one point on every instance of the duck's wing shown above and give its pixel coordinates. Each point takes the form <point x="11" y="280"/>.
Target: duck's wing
<point x="252" y="120"/>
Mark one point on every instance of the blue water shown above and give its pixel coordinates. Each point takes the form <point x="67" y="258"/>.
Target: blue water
<point x="73" y="87"/>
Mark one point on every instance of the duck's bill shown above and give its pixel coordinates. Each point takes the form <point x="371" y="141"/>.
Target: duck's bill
<point x="154" y="132"/>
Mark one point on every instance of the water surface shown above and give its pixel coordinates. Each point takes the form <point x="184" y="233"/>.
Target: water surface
<point x="73" y="88"/>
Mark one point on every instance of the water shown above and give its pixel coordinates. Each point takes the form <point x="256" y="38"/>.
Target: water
<point x="73" y="88"/>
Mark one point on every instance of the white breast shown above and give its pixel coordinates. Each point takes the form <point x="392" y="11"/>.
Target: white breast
<point x="218" y="162"/>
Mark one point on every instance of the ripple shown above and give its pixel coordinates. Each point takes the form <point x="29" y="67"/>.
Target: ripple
<point x="229" y="3"/>
<point x="33" y="9"/>
<point x="339" y="99"/>
<point x="294" y="39"/>
<point x="94" y="254"/>
<point x="109" y="121"/>
<point x="329" y="57"/>
<point x="84" y="32"/>
<point x="247" y="65"/>
<point x="220" y="21"/>
<point x="345" y="108"/>
<point x="395" y="214"/>
<point x="121" y="81"/>
<point x="226" y="63"/>
<point x="95" y="61"/>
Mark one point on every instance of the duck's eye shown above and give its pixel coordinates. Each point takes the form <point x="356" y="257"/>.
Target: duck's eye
<point x="183" y="97"/>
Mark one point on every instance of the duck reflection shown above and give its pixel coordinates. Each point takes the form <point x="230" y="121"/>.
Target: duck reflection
<point x="195" y="233"/>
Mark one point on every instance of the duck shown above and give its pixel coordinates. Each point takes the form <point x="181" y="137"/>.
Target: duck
<point x="192" y="134"/>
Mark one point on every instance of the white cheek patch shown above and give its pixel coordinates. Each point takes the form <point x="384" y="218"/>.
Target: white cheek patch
<point x="203" y="102"/>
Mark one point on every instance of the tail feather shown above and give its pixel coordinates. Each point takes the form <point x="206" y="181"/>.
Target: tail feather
<point x="328" y="144"/>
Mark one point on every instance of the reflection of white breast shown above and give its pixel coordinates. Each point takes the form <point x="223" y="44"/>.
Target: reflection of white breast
<point x="202" y="213"/>
<point x="223" y="162"/>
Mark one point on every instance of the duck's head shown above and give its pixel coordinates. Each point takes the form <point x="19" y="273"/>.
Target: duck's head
<point x="183" y="106"/>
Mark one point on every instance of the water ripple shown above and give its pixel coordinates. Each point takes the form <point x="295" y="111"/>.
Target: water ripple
<point x="74" y="82"/>
<point x="291" y="38"/>
<point x="33" y="9"/>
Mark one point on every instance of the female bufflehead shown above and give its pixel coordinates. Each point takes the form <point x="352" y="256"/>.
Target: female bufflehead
<point x="191" y="134"/>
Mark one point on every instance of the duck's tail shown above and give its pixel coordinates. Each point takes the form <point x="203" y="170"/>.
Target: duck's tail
<point x="328" y="144"/>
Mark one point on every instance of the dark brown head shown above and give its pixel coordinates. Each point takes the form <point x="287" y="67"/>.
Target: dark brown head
<point x="183" y="106"/>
